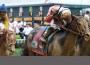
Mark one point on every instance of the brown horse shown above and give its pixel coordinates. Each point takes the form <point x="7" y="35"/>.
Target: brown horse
<point x="56" y="46"/>
<point x="65" y="44"/>
<point x="7" y="38"/>
<point x="7" y="43"/>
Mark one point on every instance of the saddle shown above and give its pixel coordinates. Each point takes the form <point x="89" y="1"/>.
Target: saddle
<point x="38" y="46"/>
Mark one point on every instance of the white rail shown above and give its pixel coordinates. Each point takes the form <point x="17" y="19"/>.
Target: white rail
<point x="20" y="41"/>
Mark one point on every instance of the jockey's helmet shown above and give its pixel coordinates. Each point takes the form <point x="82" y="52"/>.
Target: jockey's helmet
<point x="3" y="8"/>
<point x="64" y="13"/>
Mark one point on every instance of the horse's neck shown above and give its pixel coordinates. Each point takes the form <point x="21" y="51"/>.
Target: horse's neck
<point x="71" y="37"/>
<point x="69" y="44"/>
<point x="2" y="47"/>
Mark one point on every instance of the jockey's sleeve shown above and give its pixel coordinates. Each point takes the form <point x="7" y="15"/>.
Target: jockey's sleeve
<point x="6" y="23"/>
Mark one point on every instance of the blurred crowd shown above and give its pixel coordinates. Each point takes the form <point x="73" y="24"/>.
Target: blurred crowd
<point x="87" y="17"/>
<point x="21" y="28"/>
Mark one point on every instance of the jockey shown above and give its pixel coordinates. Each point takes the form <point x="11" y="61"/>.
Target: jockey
<point x="52" y="18"/>
<point x="65" y="16"/>
<point x="3" y="16"/>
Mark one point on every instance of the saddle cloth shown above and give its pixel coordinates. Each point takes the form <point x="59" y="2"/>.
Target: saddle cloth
<point x="37" y="45"/>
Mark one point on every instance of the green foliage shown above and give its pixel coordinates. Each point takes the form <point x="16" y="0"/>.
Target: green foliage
<point x="18" y="52"/>
<point x="18" y="37"/>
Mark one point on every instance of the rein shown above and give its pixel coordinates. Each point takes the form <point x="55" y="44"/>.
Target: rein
<point x="71" y="31"/>
<point x="67" y="29"/>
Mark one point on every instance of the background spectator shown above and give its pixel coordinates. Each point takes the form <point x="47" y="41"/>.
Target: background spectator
<point x="87" y="16"/>
<point x="11" y="26"/>
<point x="27" y="30"/>
<point x="37" y="24"/>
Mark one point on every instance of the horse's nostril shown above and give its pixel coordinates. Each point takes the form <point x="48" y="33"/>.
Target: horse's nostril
<point x="12" y="51"/>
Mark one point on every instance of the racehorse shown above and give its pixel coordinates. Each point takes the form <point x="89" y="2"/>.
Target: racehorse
<point x="64" y="44"/>
<point x="7" y="43"/>
<point x="56" y="45"/>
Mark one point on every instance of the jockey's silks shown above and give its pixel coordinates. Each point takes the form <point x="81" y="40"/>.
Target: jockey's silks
<point x="48" y="18"/>
<point x="6" y="25"/>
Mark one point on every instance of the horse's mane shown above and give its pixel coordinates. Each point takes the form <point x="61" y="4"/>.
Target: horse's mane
<point x="3" y="37"/>
<point x="3" y="43"/>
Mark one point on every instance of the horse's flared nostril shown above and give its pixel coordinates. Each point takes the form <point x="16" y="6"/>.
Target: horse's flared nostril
<point x="12" y="52"/>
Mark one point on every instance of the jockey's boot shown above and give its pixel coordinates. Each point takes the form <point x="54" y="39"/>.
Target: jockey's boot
<point x="46" y="34"/>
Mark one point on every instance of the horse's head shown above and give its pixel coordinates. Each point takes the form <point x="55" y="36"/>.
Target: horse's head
<point x="10" y="41"/>
<point x="3" y="42"/>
